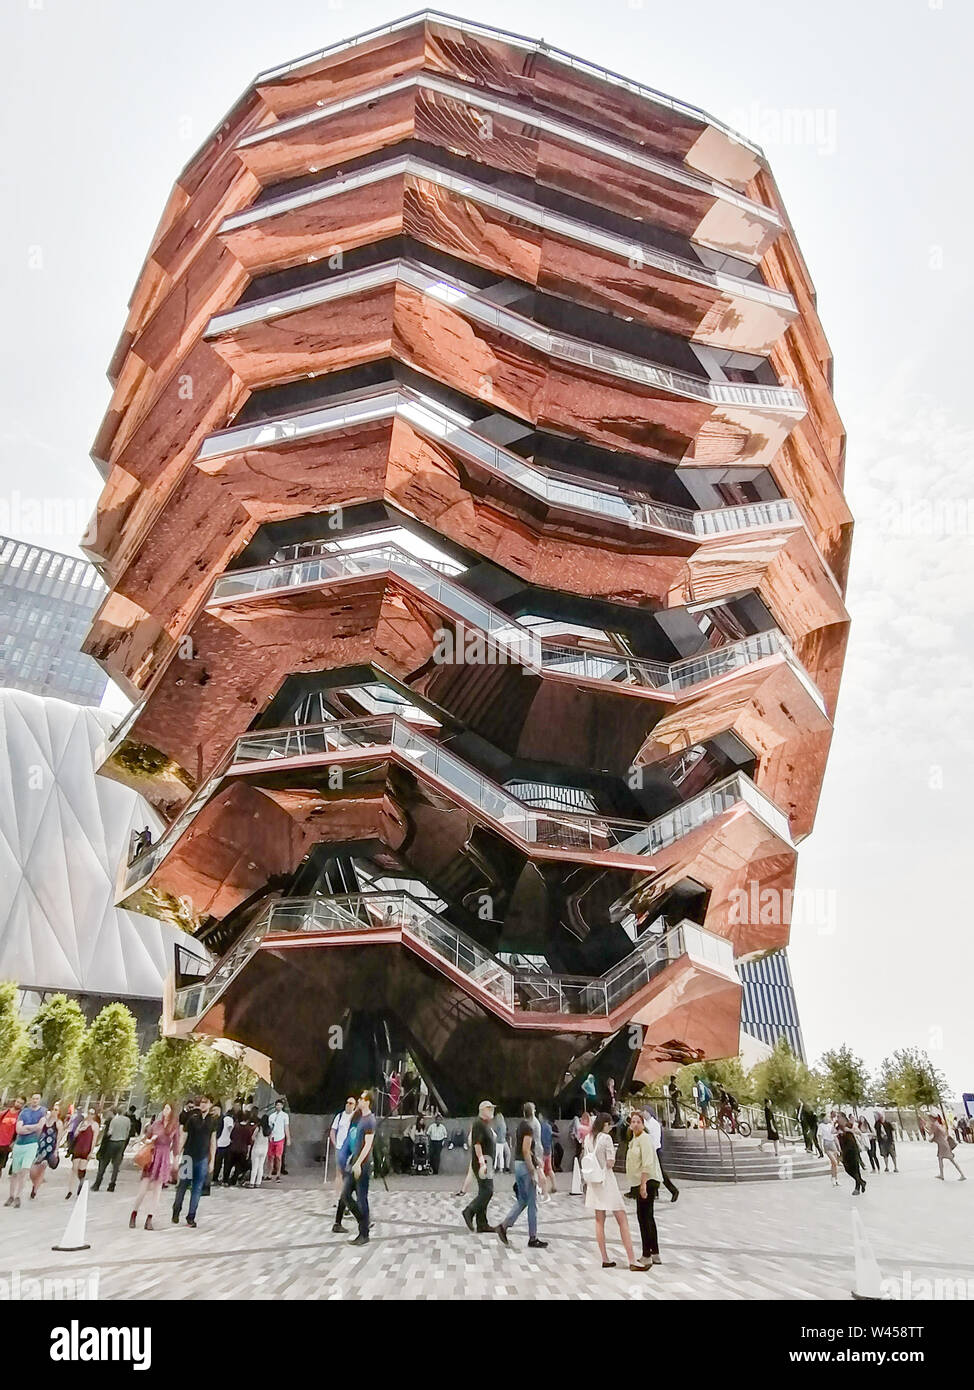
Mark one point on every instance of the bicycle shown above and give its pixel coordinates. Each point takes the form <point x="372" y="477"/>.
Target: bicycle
<point x="730" y="1125"/>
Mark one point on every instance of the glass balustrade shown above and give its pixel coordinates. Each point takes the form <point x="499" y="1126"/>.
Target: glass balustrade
<point x="585" y="139"/>
<point x="590" y="834"/>
<point x="635" y="511"/>
<point x="518" y="642"/>
<point x="466" y="300"/>
<point x="528" y="991"/>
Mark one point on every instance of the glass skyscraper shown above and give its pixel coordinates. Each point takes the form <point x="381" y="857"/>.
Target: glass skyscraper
<point x="47" y="601"/>
<point x="768" y="1006"/>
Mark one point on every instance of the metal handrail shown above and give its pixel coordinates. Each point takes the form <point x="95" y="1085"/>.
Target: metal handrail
<point x="534" y="991"/>
<point x="465" y="299"/>
<point x="510" y="636"/>
<point x="482" y="99"/>
<point x="445" y="427"/>
<point x="561" y="831"/>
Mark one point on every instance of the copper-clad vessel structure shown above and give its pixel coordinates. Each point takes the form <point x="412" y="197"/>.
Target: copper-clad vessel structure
<point x="476" y="544"/>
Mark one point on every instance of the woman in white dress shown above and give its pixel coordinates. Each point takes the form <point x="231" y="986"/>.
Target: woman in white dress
<point x="602" y="1191"/>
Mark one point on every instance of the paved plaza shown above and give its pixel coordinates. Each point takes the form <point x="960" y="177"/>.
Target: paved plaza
<point x="780" y="1240"/>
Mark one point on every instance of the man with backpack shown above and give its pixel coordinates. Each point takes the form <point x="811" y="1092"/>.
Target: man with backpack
<point x="703" y="1095"/>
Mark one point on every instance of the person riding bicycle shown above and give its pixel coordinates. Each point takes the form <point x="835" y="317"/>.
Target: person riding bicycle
<point x="729" y="1106"/>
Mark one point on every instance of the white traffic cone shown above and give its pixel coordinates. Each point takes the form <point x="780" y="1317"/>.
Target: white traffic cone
<point x="576" y="1180"/>
<point x="868" y="1280"/>
<point x="74" y="1231"/>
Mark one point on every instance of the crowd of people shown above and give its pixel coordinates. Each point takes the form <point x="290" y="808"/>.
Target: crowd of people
<point x="199" y="1146"/>
<point x="188" y="1149"/>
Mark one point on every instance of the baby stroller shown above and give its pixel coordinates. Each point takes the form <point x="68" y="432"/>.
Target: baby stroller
<point x="421" y="1154"/>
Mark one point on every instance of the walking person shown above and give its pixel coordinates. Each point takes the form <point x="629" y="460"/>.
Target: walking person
<point x="867" y="1138"/>
<point x="241" y="1138"/>
<point x="502" y="1154"/>
<point x="355" y="1189"/>
<point x="223" y="1162"/>
<point x="342" y="1138"/>
<point x="197" y="1152"/>
<point x="851" y="1153"/>
<point x="886" y="1138"/>
<point x="47" y="1148"/>
<point x="483" y="1153"/>
<point x="530" y="1113"/>
<point x="771" y="1135"/>
<point x="347" y="1147"/>
<point x="280" y="1135"/>
<point x="27" y="1129"/>
<point x="85" y="1138"/>
<point x="643" y="1173"/>
<point x="525" y="1183"/>
<point x="602" y="1191"/>
<point x="828" y="1142"/>
<point x="438" y="1137"/>
<point x="946" y="1145"/>
<point x="654" y="1129"/>
<point x="547" y="1170"/>
<point x="673" y="1093"/>
<point x="111" y="1150"/>
<point x="703" y="1095"/>
<point x="8" y="1129"/>
<point x="808" y="1124"/>
<point x="163" y="1137"/>
<point x="258" y="1150"/>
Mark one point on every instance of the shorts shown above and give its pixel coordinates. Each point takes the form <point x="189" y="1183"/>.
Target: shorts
<point x="275" y="1148"/>
<point x="21" y="1157"/>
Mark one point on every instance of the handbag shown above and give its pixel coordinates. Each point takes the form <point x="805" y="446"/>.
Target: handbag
<point x="143" y="1155"/>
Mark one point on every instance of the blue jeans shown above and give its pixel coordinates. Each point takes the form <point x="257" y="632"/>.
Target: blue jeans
<point x="355" y="1196"/>
<point x="201" y="1167"/>
<point x="527" y="1196"/>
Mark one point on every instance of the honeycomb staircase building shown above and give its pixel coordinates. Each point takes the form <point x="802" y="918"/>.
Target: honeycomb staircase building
<point x="476" y="546"/>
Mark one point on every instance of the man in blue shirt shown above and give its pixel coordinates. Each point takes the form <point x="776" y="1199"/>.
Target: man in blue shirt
<point x="30" y="1122"/>
<point x="358" y="1167"/>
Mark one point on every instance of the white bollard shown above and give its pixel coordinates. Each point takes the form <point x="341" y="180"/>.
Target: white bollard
<point x="577" y="1190"/>
<point x="74" y="1231"/>
<point x="868" y="1280"/>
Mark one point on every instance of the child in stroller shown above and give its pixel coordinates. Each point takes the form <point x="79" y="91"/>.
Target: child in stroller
<point x="420" y="1162"/>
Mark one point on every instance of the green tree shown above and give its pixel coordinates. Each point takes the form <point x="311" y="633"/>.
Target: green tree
<point x="844" y="1077"/>
<point x="13" y="1034"/>
<point x="784" y="1079"/>
<point x="49" y="1060"/>
<point x="108" y="1056"/>
<point x="910" y="1079"/>
<point x="174" y="1068"/>
<point x="228" y="1076"/>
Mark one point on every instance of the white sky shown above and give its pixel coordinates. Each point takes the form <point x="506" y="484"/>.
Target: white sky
<point x="103" y="102"/>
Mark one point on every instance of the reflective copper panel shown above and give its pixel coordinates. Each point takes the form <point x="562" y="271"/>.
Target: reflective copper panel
<point x="476" y="547"/>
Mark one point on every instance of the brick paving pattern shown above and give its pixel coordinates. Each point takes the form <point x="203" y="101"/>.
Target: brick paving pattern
<point x="783" y="1240"/>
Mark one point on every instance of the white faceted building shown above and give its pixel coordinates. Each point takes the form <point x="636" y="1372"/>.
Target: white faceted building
<point x="63" y="833"/>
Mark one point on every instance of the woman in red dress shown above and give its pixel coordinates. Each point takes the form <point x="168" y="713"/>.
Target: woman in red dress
<point x="163" y="1135"/>
<point x="82" y="1145"/>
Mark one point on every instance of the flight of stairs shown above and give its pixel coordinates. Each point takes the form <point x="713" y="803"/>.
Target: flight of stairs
<point x="689" y="1157"/>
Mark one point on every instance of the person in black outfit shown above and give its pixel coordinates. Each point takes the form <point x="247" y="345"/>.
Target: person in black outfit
<point x="483" y="1145"/>
<point x="197" y="1154"/>
<point x="673" y="1091"/>
<point x="851" y="1154"/>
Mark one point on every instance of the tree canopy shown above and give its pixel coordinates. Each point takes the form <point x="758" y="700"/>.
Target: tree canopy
<point x="108" y="1055"/>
